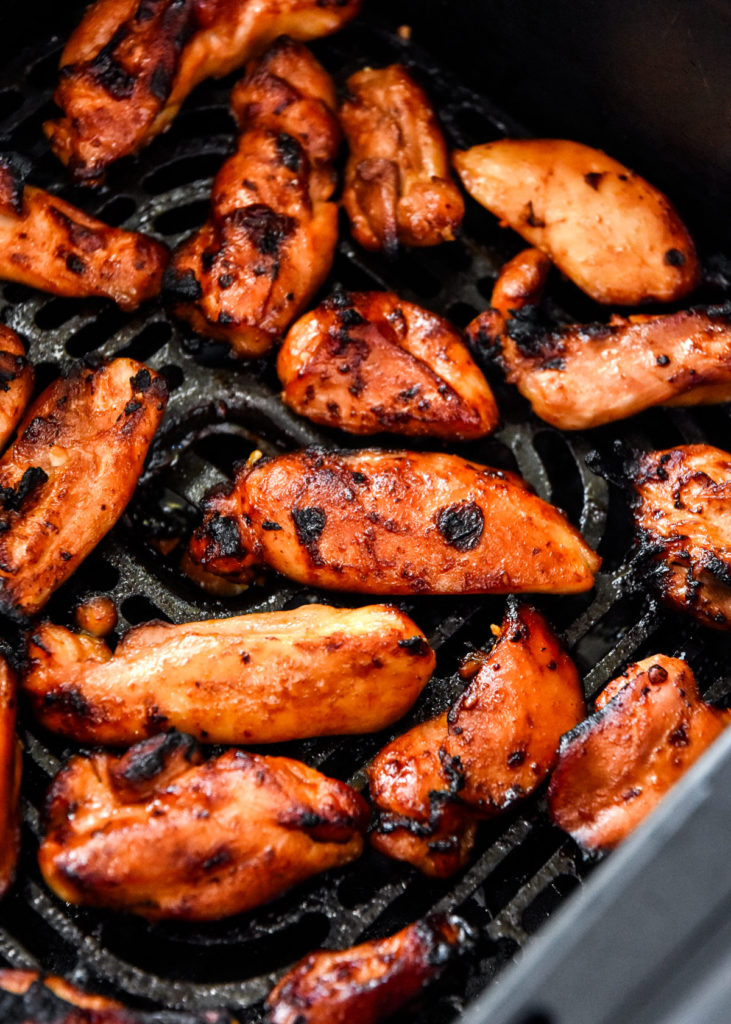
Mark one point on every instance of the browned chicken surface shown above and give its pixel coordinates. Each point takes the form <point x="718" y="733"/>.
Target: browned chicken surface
<point x="129" y="65"/>
<point x="96" y="615"/>
<point x="16" y="383"/>
<point x="367" y="983"/>
<point x="615" y="235"/>
<point x="228" y="834"/>
<point x="391" y="523"/>
<point x="398" y="185"/>
<point x="265" y="678"/>
<point x="69" y="475"/>
<point x="585" y="375"/>
<point x="269" y="242"/>
<point x="367" y="362"/>
<point x="683" y="516"/>
<point x="649" y="727"/>
<point x="27" y="997"/>
<point x="49" y="244"/>
<point x="496" y="744"/>
<point x="10" y="771"/>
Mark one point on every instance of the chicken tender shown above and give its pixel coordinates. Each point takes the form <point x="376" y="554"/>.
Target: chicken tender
<point x="495" y="745"/>
<point x="16" y="383"/>
<point x="228" y="834"/>
<point x="650" y="725"/>
<point x="10" y="772"/>
<point x="69" y="475"/>
<point x="391" y="523"/>
<point x="618" y="238"/>
<point x="266" y="678"/>
<point x="398" y="186"/>
<point x="129" y="65"/>
<point x="367" y="362"/>
<point x="51" y="245"/>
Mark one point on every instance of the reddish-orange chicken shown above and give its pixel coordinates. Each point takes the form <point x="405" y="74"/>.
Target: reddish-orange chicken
<point x="605" y="227"/>
<point x="367" y="362"/>
<point x="227" y="834"/>
<point x="496" y="744"/>
<point x="391" y="523"/>
<point x="10" y="770"/>
<point x="16" y="383"/>
<point x="51" y="245"/>
<point x="269" y="241"/>
<point x="398" y="186"/>
<point x="650" y="725"/>
<point x="129" y="65"/>
<point x="69" y="475"/>
<point x="312" y="671"/>
<point x="367" y="983"/>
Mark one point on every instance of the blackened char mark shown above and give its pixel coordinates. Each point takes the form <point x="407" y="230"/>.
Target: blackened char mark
<point x="69" y="700"/>
<point x="9" y="373"/>
<point x="223" y="532"/>
<point x="461" y="524"/>
<point x="527" y="327"/>
<point x="309" y="524"/>
<point x="81" y="237"/>
<point x="267" y="230"/>
<point x="12" y="498"/>
<point x="415" y="645"/>
<point x="718" y="568"/>
<point x="181" y="285"/>
<point x="108" y="72"/>
<point x="290" y="152"/>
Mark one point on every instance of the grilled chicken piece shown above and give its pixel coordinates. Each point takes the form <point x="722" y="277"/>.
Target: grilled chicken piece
<point x="96" y="615"/>
<point x="269" y="242"/>
<point x="618" y="238"/>
<point x="51" y="245"/>
<point x="650" y="725"/>
<point x="16" y="383"/>
<point x="496" y="744"/>
<point x="227" y="834"/>
<point x="69" y="475"/>
<point x="130" y="64"/>
<point x="10" y="772"/>
<point x="683" y="516"/>
<point x="391" y="523"/>
<point x="585" y="375"/>
<point x="398" y="186"/>
<point x="367" y="983"/>
<point x="367" y="362"/>
<point x="314" y="671"/>
<point x="27" y="997"/>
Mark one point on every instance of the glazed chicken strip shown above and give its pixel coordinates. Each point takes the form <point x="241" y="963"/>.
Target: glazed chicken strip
<point x="51" y="245"/>
<point x="618" y="238"/>
<point x="314" y="671"/>
<point x="585" y="375"/>
<point x="497" y="743"/>
<point x="391" y="523"/>
<point x="398" y="185"/>
<point x="650" y="725"/>
<point x="367" y="983"/>
<point x="130" y="64"/>
<point x="269" y="242"/>
<point x="69" y="475"/>
<point x="682" y="510"/>
<point x="228" y="834"/>
<point x="16" y="383"/>
<point x="10" y="772"/>
<point x="367" y="362"/>
<point x="27" y="997"/>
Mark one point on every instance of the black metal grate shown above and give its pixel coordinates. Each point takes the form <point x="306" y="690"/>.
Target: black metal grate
<point x="220" y="410"/>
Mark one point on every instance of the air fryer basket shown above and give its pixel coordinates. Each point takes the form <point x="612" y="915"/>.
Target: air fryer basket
<point x="523" y="868"/>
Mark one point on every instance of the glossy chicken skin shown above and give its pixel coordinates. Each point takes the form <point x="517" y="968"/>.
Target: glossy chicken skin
<point x="391" y="523"/>
<point x="69" y="475"/>
<point x="585" y="375"/>
<point x="649" y="727"/>
<point x="228" y="834"/>
<point x="269" y="242"/>
<point x="398" y="185"/>
<point x="51" y="245"/>
<point x="16" y="383"/>
<point x="496" y="744"/>
<point x="367" y="983"/>
<point x="683" y="515"/>
<point x="130" y="64"/>
<point x="266" y="678"/>
<point x="10" y="772"/>
<point x="618" y="238"/>
<point x="27" y="997"/>
<point x="367" y="362"/>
